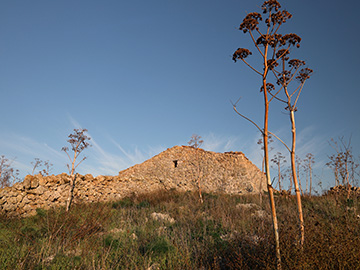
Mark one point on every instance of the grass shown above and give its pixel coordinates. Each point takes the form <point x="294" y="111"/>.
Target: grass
<point x="218" y="234"/>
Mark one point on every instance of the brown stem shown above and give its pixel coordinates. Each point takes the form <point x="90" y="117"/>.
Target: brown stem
<point x="279" y="175"/>
<point x="267" y="166"/>
<point x="234" y="107"/>
<point x="71" y="192"/>
<point x="296" y="184"/>
<point x="250" y="66"/>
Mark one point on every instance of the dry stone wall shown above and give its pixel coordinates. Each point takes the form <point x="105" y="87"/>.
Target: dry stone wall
<point x="178" y="168"/>
<point x="343" y="190"/>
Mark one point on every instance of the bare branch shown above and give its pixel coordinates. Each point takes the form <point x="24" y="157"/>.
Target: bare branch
<point x="68" y="155"/>
<point x="253" y="39"/>
<point x="296" y="90"/>
<point x="251" y="67"/>
<point x="78" y="142"/>
<point x="234" y="107"/>
<point x="275" y="96"/>
<point x="298" y="95"/>
<point x="280" y="141"/>
<point x="80" y="162"/>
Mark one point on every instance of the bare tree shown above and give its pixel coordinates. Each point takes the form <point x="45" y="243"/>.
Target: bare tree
<point x="79" y="142"/>
<point x="38" y="163"/>
<point x="47" y="168"/>
<point x="342" y="162"/>
<point x="298" y="162"/>
<point x="260" y="142"/>
<point x="8" y="175"/>
<point x="286" y="71"/>
<point x="278" y="160"/>
<point x="270" y="148"/>
<point x="290" y="70"/>
<point x="309" y="161"/>
<point x="354" y="170"/>
<point x="195" y="142"/>
<point x="267" y="43"/>
<point x="274" y="49"/>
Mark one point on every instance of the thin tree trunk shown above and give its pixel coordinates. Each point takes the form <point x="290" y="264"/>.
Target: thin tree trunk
<point x="279" y="176"/>
<point x="71" y="192"/>
<point x="299" y="180"/>
<point x="347" y="178"/>
<point x="336" y="176"/>
<point x="199" y="188"/>
<point x="267" y="171"/>
<point x="290" y="187"/>
<point x="198" y="174"/>
<point x="272" y="204"/>
<point x="310" y="176"/>
<point x="200" y="194"/>
<point x="262" y="170"/>
<point x="260" y="192"/>
<point x="73" y="164"/>
<point x="296" y="184"/>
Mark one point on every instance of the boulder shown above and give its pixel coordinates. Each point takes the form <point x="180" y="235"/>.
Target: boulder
<point x="27" y="181"/>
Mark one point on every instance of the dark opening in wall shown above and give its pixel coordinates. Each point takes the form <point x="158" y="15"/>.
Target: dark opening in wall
<point x="175" y="163"/>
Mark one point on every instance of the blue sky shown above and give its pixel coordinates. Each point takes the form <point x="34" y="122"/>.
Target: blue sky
<point x="143" y="76"/>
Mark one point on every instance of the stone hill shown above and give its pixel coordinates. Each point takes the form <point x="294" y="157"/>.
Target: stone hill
<point x="177" y="168"/>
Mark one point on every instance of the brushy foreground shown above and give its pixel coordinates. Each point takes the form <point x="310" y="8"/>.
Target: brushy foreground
<point x="171" y="230"/>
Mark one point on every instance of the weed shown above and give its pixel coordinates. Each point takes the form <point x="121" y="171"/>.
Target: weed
<point x="143" y="204"/>
<point x="217" y="234"/>
<point x="110" y="241"/>
<point x="157" y="246"/>
<point x="126" y="202"/>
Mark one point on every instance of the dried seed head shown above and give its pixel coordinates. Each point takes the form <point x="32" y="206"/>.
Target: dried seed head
<point x="241" y="53"/>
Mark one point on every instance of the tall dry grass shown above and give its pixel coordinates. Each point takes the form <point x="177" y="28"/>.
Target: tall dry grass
<point x="225" y="232"/>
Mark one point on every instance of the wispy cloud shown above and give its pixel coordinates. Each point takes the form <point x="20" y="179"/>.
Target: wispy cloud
<point x="306" y="143"/>
<point x="106" y="158"/>
<point x="218" y="143"/>
<point x="105" y="162"/>
<point x="23" y="150"/>
<point x="134" y="157"/>
<point x="110" y="163"/>
<point x="74" y="122"/>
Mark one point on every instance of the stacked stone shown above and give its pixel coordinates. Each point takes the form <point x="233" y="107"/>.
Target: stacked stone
<point x="180" y="168"/>
<point x="343" y="190"/>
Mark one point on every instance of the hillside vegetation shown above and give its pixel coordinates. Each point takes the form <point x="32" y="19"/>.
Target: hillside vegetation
<point x="172" y="230"/>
